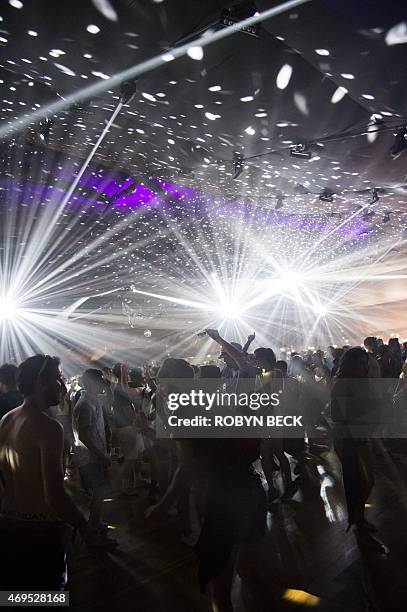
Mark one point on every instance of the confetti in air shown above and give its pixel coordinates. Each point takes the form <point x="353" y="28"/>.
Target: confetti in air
<point x="140" y="239"/>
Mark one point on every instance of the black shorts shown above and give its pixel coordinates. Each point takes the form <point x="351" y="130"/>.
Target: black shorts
<point x="235" y="513"/>
<point x="33" y="556"/>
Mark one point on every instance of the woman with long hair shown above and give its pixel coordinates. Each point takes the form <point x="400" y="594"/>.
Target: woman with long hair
<point x="351" y="407"/>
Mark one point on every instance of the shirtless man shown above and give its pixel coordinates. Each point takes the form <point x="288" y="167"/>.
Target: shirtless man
<point x="33" y="500"/>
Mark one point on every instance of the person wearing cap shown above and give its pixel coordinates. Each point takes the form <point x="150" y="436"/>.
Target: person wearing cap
<point x="91" y="455"/>
<point x="237" y="364"/>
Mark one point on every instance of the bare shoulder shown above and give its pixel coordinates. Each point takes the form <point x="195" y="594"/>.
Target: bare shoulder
<point x="50" y="428"/>
<point x="9" y="418"/>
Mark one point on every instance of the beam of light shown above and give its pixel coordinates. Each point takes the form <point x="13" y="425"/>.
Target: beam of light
<point x="338" y="227"/>
<point x="9" y="309"/>
<point x="312" y="289"/>
<point x="146" y="66"/>
<point x="349" y="277"/>
<point x="221" y="270"/>
<point x="71" y="309"/>
<point x="225" y="307"/>
<point x="89" y="158"/>
<point x="68" y="270"/>
<point x="174" y="300"/>
<point x="49" y="228"/>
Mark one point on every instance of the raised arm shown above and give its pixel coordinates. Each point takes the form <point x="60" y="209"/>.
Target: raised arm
<point x="234" y="353"/>
<point x="124" y="373"/>
<point x="248" y="342"/>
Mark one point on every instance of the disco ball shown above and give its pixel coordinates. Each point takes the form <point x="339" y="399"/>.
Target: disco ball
<point x="147" y="333"/>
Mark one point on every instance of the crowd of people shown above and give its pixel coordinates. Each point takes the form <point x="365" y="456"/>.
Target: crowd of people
<point x="97" y="434"/>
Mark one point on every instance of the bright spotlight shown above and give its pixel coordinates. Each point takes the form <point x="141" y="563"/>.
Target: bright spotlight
<point x="8" y="309"/>
<point x="230" y="310"/>
<point x="291" y="280"/>
<point x="321" y="311"/>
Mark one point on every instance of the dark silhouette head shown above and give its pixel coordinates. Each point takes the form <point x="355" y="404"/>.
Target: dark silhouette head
<point x="353" y="364"/>
<point x="265" y="358"/>
<point x="39" y="378"/>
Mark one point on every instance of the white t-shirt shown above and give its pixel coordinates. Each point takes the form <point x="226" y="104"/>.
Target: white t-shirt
<point x="88" y="414"/>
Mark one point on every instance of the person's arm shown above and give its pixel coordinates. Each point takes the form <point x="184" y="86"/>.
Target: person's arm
<point x="142" y="426"/>
<point x="108" y="434"/>
<point x="51" y="449"/>
<point x="124" y="373"/>
<point x="85" y="438"/>
<point x="236" y="355"/>
<point x="181" y="479"/>
<point x="248" y="342"/>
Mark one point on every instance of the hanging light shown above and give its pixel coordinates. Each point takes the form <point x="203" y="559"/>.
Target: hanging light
<point x="375" y="196"/>
<point x="326" y="196"/>
<point x="238" y="165"/>
<point x="300" y="151"/>
<point x="279" y="203"/>
<point x="44" y="131"/>
<point x="128" y="91"/>
<point x="400" y="142"/>
<point x="367" y="215"/>
<point x="238" y="12"/>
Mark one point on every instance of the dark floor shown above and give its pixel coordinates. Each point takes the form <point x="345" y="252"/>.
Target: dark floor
<point x="306" y="548"/>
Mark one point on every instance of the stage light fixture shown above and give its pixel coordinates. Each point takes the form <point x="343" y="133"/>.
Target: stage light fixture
<point x="279" y="203"/>
<point x="375" y="196"/>
<point x="238" y="12"/>
<point x="128" y="90"/>
<point x="367" y="215"/>
<point x="238" y="165"/>
<point x="377" y="119"/>
<point x="44" y="131"/>
<point x="300" y="151"/>
<point x="400" y="142"/>
<point x="326" y="196"/>
<point x="301" y="189"/>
